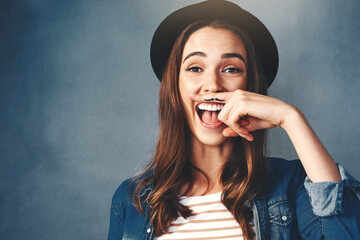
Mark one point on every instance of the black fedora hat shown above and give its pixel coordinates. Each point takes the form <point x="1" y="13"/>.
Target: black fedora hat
<point x="172" y="26"/>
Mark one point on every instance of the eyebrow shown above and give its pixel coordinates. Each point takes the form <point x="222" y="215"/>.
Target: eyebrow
<point x="233" y="55"/>
<point x="225" y="55"/>
<point x="201" y="54"/>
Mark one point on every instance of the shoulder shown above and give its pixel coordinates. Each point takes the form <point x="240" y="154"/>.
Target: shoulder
<point x="125" y="219"/>
<point x="124" y="193"/>
<point x="280" y="168"/>
<point x="285" y="176"/>
<point x="283" y="163"/>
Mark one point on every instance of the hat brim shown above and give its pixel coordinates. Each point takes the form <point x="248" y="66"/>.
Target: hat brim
<point x="172" y="26"/>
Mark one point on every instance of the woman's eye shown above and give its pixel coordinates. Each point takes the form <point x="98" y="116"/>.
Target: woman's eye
<point x="194" y="69"/>
<point x="232" y="70"/>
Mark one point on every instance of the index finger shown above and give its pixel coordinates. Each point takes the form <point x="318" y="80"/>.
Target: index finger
<point x="221" y="97"/>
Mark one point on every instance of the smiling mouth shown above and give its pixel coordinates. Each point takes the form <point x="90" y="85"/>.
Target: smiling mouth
<point x="208" y="114"/>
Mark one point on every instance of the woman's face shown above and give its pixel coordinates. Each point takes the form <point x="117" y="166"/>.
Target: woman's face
<point x="213" y="60"/>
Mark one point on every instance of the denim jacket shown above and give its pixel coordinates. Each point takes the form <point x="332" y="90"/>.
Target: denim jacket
<point x="290" y="206"/>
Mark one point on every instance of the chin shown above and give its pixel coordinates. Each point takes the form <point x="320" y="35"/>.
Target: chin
<point x="211" y="139"/>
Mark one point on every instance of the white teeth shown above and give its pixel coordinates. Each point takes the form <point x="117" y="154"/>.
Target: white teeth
<point x="210" y="107"/>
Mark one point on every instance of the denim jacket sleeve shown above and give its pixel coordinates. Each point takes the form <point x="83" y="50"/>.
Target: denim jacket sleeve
<point x="287" y="179"/>
<point x="336" y="208"/>
<point x="327" y="197"/>
<point x="115" y="227"/>
<point x="116" y="213"/>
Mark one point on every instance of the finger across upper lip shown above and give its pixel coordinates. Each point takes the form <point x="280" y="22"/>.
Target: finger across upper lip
<point x="213" y="97"/>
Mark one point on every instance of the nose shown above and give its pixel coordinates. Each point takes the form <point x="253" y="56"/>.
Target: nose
<point x="212" y="83"/>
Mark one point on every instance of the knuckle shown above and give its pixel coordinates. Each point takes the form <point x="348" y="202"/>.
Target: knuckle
<point x="242" y="97"/>
<point x="238" y="91"/>
<point x="233" y="120"/>
<point x="221" y="117"/>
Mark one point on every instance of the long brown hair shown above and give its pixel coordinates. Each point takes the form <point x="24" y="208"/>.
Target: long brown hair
<point x="171" y="169"/>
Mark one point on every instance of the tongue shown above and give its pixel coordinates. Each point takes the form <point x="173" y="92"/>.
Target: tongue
<point x="210" y="117"/>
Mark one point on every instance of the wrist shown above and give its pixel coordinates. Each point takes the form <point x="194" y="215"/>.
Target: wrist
<point x="292" y="118"/>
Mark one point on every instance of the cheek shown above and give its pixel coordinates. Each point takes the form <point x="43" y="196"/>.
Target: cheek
<point x="235" y="85"/>
<point x="184" y="93"/>
<point x="186" y="87"/>
<point x="243" y="84"/>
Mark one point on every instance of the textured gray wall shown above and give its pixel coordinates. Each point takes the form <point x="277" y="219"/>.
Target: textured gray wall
<point x="78" y="100"/>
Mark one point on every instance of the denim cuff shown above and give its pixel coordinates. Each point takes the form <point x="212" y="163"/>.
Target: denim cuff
<point x="327" y="197"/>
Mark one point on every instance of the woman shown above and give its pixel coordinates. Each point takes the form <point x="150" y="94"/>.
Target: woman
<point x="209" y="178"/>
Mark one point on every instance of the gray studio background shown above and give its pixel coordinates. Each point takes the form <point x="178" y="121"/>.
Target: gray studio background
<point x="78" y="100"/>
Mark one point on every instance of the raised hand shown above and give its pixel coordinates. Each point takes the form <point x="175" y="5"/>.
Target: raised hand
<point x="245" y="111"/>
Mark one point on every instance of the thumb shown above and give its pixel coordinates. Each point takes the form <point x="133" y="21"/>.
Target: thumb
<point x="229" y="132"/>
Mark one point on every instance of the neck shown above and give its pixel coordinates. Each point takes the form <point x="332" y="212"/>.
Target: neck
<point x="209" y="159"/>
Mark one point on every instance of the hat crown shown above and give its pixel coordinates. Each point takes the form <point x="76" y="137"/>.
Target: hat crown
<point x="174" y="24"/>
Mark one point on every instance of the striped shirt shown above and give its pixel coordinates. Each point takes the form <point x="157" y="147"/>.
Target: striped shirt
<point x="210" y="220"/>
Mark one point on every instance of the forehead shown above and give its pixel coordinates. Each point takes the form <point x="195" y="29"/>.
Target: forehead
<point x="210" y="39"/>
